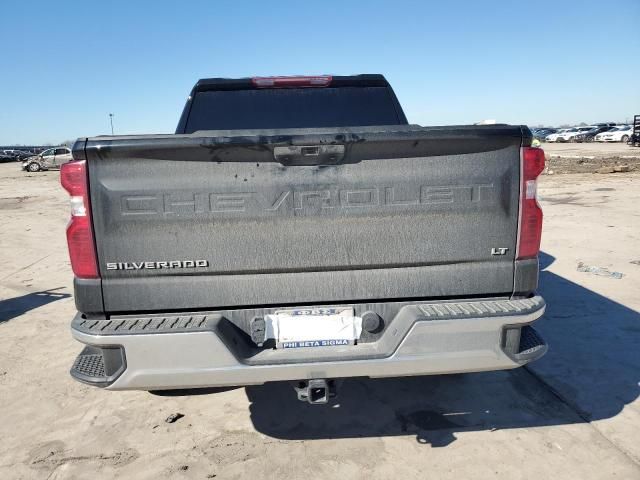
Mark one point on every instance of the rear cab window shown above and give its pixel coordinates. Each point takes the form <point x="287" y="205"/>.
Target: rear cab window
<point x="361" y="103"/>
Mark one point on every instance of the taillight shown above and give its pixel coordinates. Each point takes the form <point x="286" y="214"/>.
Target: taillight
<point x="82" y="252"/>
<point x="291" y="82"/>
<point x="530" y="224"/>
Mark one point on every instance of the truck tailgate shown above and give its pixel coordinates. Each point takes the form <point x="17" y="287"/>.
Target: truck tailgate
<point x="274" y="217"/>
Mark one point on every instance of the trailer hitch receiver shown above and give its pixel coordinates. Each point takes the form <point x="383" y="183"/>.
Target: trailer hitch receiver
<point x="316" y="391"/>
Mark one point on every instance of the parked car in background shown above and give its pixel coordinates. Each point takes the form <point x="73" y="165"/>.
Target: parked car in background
<point x="5" y="156"/>
<point x="571" y="134"/>
<point x="16" y="155"/>
<point x="19" y="155"/>
<point x="554" y="136"/>
<point x="541" y="134"/>
<point x="621" y="133"/>
<point x="50" y="159"/>
<point x="589" y="135"/>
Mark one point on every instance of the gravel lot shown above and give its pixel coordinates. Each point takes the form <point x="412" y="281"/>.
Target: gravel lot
<point x="575" y="414"/>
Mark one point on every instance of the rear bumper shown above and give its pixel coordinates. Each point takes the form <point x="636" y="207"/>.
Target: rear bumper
<point x="155" y="352"/>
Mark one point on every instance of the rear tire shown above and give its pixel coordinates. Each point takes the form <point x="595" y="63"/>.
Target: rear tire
<point x="624" y="139"/>
<point x="33" y="167"/>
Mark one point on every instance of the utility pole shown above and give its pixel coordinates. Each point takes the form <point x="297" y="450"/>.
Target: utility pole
<point x="111" y="121"/>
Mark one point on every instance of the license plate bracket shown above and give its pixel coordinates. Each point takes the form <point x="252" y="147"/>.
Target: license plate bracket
<point x="313" y="327"/>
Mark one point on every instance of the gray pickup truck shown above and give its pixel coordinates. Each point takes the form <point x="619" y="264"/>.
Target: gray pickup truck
<point x="299" y="229"/>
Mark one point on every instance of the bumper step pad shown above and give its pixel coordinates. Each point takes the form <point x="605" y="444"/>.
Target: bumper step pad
<point x="89" y="365"/>
<point x="530" y="342"/>
<point x="446" y="310"/>
<point x="99" y="366"/>
<point x="523" y="343"/>
<point x="147" y="324"/>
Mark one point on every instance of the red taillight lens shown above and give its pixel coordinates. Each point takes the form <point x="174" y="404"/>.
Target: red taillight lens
<point x="291" y="82"/>
<point x="530" y="225"/>
<point x="532" y="162"/>
<point x="73" y="177"/>
<point x="81" y="249"/>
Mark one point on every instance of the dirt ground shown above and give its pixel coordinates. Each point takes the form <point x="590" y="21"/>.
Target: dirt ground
<point x="574" y="414"/>
<point x="589" y="157"/>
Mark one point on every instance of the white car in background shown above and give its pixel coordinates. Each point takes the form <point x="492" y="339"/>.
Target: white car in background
<point x="569" y="135"/>
<point x="621" y="133"/>
<point x="554" y="136"/>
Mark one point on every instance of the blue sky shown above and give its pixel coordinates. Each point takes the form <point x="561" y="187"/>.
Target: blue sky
<point x="66" y="65"/>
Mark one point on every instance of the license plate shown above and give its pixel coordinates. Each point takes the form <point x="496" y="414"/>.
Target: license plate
<point x="348" y="311"/>
<point x="315" y="327"/>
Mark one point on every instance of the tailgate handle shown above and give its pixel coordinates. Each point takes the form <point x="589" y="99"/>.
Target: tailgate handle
<point x="310" y="151"/>
<point x="309" y="155"/>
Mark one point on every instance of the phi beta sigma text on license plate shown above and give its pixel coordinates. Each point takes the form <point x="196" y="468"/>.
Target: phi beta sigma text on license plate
<point x="316" y="343"/>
